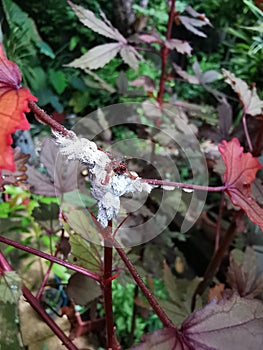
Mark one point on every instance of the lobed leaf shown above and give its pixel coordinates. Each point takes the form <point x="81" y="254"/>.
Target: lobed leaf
<point x="243" y="278"/>
<point x="249" y="98"/>
<point x="89" y="19"/>
<point x="97" y="57"/>
<point x="241" y="169"/>
<point x="231" y="324"/>
<point x="128" y="54"/>
<point x="179" y="45"/>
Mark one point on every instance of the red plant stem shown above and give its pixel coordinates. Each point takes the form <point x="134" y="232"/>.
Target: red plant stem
<point x="217" y="259"/>
<point x="164" y="54"/>
<point x="218" y="224"/>
<point x="43" y="117"/>
<point x="244" y="121"/>
<point x="36" y="252"/>
<point x="151" y="299"/>
<point x="182" y="185"/>
<point x="42" y="286"/>
<point x="33" y="301"/>
<point x="107" y="291"/>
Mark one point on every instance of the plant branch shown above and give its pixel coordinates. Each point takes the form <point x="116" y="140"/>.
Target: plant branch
<point x="42" y="286"/>
<point x="151" y="299"/>
<point x="34" y="302"/>
<point x="182" y="185"/>
<point x="36" y="252"/>
<point x="43" y="117"/>
<point x="164" y="54"/>
<point x="217" y="259"/>
<point x="107" y="290"/>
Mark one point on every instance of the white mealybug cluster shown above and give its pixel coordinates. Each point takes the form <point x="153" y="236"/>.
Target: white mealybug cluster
<point x="107" y="193"/>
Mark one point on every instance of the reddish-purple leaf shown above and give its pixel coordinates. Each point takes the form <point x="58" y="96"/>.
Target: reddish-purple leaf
<point x="179" y="45"/>
<point x="234" y="324"/>
<point x="241" y="169"/>
<point x="97" y="57"/>
<point x="148" y="39"/>
<point x="251" y="103"/>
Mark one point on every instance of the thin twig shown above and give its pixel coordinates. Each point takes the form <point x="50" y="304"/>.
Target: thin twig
<point x="43" y="117"/>
<point x="151" y="299"/>
<point x="182" y="185"/>
<point x="36" y="252"/>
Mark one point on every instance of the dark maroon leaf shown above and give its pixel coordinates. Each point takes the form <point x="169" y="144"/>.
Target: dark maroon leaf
<point x="64" y="247"/>
<point x="243" y="277"/>
<point x="82" y="289"/>
<point x="233" y="324"/>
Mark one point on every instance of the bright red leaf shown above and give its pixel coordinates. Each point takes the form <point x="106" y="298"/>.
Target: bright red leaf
<point x="13" y="104"/>
<point x="241" y="169"/>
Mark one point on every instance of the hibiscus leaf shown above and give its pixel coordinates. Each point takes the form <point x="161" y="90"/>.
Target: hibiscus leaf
<point x="82" y="289"/>
<point x="179" y="45"/>
<point x="241" y="169"/>
<point x="231" y="324"/>
<point x="249" y="98"/>
<point x="13" y="104"/>
<point x="244" y="278"/>
<point x="129" y="56"/>
<point x="88" y="18"/>
<point x="97" y="57"/>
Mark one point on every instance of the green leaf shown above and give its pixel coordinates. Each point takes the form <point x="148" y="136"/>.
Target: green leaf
<point x="83" y="225"/>
<point x="45" y="49"/>
<point x="85" y="254"/>
<point x="10" y="287"/>
<point x="9" y="333"/>
<point x="58" y="80"/>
